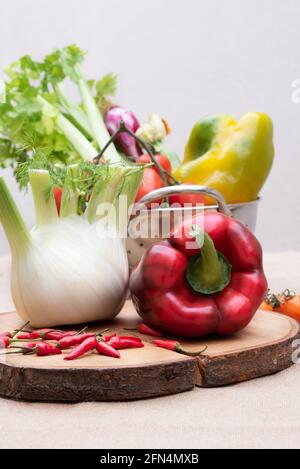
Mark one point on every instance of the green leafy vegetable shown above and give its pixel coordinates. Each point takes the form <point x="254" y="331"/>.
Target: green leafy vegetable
<point x="105" y="88"/>
<point x="37" y="114"/>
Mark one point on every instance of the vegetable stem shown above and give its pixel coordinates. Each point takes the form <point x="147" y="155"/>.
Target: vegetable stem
<point x="12" y="221"/>
<point x="69" y="202"/>
<point x="75" y="137"/>
<point x="45" y="207"/>
<point x="210" y="272"/>
<point x="75" y="111"/>
<point x="130" y="188"/>
<point x="106" y="191"/>
<point x="99" y="130"/>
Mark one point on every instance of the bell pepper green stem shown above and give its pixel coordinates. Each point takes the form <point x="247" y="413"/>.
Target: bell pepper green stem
<point x="210" y="272"/>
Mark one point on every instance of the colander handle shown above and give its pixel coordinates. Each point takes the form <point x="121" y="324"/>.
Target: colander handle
<point x="184" y="189"/>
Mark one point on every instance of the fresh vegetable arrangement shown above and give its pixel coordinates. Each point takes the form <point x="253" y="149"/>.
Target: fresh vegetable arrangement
<point x="80" y="159"/>
<point x="214" y="286"/>
<point x="37" y="115"/>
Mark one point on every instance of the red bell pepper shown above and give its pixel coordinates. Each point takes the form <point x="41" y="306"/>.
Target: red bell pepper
<point x="191" y="291"/>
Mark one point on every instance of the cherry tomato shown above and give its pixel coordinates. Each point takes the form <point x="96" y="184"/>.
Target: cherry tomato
<point x="291" y="307"/>
<point x="57" y="192"/>
<point x="163" y="160"/>
<point x="266" y="306"/>
<point x="151" y="181"/>
<point x="186" y="198"/>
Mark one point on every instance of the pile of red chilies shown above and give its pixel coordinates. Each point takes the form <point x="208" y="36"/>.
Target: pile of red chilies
<point x="45" y="342"/>
<point x="37" y="342"/>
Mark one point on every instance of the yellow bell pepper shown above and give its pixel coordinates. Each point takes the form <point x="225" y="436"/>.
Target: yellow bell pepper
<point x="232" y="157"/>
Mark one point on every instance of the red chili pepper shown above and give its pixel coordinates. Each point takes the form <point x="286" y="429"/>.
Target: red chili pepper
<point x="124" y="342"/>
<point x="45" y="334"/>
<point x="4" y="342"/>
<point x="192" y="287"/>
<point x="104" y="348"/>
<point x="49" y="334"/>
<point x="176" y="347"/>
<point x="5" y="334"/>
<point x="107" y="338"/>
<point x="22" y="349"/>
<point x="130" y="337"/>
<point x="29" y="347"/>
<point x="70" y="341"/>
<point x="53" y="336"/>
<point x="72" y="333"/>
<point x="41" y="333"/>
<point x="56" y="335"/>
<point x="144" y="329"/>
<point x="41" y="349"/>
<point x="7" y="341"/>
<point x="86" y="346"/>
<point x="24" y="336"/>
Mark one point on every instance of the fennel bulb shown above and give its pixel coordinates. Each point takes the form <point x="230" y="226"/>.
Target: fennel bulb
<point x="73" y="268"/>
<point x="69" y="274"/>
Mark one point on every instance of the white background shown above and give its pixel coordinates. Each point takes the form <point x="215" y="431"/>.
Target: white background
<point x="184" y="59"/>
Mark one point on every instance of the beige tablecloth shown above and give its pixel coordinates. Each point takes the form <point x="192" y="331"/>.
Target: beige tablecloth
<point x="263" y="413"/>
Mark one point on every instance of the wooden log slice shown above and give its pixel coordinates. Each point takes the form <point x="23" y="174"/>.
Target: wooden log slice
<point x="264" y="347"/>
<point x="139" y="373"/>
